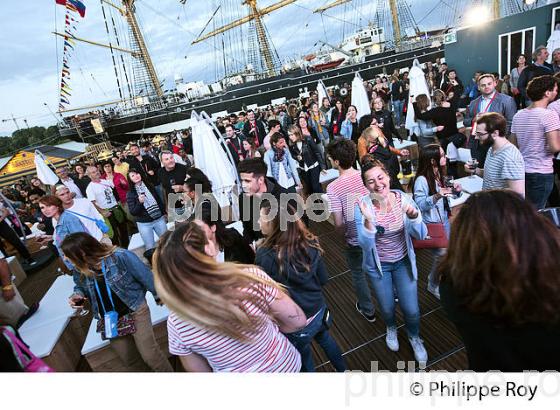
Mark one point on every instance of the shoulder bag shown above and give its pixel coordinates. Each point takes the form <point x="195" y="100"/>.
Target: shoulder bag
<point x="436" y="239"/>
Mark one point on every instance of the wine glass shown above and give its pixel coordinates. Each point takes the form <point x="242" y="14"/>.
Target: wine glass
<point x="472" y="164"/>
<point x="79" y="307"/>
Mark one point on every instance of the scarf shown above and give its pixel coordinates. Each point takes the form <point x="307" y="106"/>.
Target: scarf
<point x="278" y="154"/>
<point x="150" y="203"/>
<point x="317" y="119"/>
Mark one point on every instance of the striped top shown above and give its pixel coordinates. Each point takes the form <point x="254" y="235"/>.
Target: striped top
<point x="502" y="166"/>
<point x="270" y="351"/>
<point x="530" y="126"/>
<point x="343" y="194"/>
<point x="391" y="241"/>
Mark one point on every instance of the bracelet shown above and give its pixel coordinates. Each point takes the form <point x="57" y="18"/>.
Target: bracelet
<point x="8" y="287"/>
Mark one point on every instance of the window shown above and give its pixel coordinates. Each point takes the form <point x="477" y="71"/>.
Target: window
<point x="555" y="18"/>
<point x="511" y="45"/>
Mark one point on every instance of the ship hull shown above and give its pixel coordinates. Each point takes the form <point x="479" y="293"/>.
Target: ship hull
<point x="259" y="92"/>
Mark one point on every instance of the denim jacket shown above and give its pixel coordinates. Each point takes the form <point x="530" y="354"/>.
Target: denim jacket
<point x="431" y="212"/>
<point x="67" y="224"/>
<point x="290" y="166"/>
<point x="346" y="129"/>
<point x="412" y="227"/>
<point x="127" y="276"/>
<point x="324" y="135"/>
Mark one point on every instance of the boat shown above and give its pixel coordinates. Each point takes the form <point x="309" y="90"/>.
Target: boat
<point x="392" y="43"/>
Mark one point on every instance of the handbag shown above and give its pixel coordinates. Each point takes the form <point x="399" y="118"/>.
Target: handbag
<point x="26" y="359"/>
<point x="125" y="324"/>
<point x="436" y="239"/>
<point x="99" y="222"/>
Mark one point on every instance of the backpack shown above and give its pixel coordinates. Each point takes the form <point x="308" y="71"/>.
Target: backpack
<point x="26" y="359"/>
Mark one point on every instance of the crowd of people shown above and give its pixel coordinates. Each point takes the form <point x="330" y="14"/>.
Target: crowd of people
<point x="253" y="301"/>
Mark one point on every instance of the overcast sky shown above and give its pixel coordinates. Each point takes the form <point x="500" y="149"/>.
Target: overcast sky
<point x="31" y="54"/>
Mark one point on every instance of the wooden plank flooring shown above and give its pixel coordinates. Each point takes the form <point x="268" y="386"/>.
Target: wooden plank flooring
<point x="362" y="343"/>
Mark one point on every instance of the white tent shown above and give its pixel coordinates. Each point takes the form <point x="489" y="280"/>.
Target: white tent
<point x="321" y="92"/>
<point x="417" y="86"/>
<point x="210" y="156"/>
<point x="359" y="96"/>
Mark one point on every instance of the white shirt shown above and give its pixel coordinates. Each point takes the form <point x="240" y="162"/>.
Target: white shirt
<point x="71" y="185"/>
<point x="102" y="193"/>
<point x="83" y="207"/>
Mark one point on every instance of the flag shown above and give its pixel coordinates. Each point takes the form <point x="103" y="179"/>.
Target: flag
<point x="75" y="5"/>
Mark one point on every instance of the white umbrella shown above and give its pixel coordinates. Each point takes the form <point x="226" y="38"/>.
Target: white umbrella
<point x="321" y="92"/>
<point x="44" y="172"/>
<point x="417" y="86"/>
<point x="359" y="96"/>
<point x="553" y="42"/>
<point x="212" y="159"/>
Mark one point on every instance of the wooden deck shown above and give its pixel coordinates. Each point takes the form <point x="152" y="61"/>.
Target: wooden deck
<point x="363" y="343"/>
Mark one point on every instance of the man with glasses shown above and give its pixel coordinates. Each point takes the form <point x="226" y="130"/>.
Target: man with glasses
<point x="504" y="167"/>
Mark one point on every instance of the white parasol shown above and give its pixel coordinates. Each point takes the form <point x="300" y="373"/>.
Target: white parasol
<point x="321" y="92"/>
<point x="44" y="172"/>
<point x="417" y="86"/>
<point x="211" y="157"/>
<point x="359" y="96"/>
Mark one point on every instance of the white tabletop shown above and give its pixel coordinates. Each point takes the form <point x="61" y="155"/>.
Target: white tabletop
<point x="404" y="144"/>
<point x="470" y="184"/>
<point x="458" y="201"/>
<point x="330" y="175"/>
<point x="42" y="330"/>
<point x="93" y="340"/>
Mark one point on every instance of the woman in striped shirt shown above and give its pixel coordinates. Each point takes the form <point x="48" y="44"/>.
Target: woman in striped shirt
<point x="386" y="220"/>
<point x="224" y="317"/>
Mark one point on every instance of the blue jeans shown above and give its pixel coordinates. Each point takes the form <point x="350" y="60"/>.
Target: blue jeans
<point x="398" y="110"/>
<point x="397" y="275"/>
<point x="147" y="229"/>
<point x="538" y="188"/>
<point x="317" y="330"/>
<point x="354" y="258"/>
<point x="159" y="191"/>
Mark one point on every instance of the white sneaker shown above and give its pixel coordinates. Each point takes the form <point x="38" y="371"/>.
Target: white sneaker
<point x="420" y="353"/>
<point x="434" y="290"/>
<point x="391" y="339"/>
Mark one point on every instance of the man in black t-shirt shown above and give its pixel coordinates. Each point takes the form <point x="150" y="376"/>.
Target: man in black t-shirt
<point x="171" y="176"/>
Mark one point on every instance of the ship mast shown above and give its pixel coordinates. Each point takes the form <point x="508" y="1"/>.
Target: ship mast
<point x="255" y="15"/>
<point x="396" y="23"/>
<point x="496" y="9"/>
<point x="144" y="55"/>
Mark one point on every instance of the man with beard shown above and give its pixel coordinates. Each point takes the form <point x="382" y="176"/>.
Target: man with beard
<point x="504" y="167"/>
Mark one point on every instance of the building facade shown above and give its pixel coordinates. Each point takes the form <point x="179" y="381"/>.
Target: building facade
<point x="494" y="46"/>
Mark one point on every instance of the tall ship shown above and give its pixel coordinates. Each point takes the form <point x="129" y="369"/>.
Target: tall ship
<point x="390" y="39"/>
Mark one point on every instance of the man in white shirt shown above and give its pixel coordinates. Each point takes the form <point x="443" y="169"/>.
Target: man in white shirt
<point x="82" y="208"/>
<point x="100" y="193"/>
<point x="69" y="182"/>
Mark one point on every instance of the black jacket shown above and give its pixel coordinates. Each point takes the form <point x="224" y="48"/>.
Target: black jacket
<point x="82" y="184"/>
<point x="235" y="147"/>
<point x="304" y="286"/>
<point x="249" y="215"/>
<point x="239" y="251"/>
<point x="308" y="155"/>
<point x="531" y="72"/>
<point x="261" y="130"/>
<point x="137" y="210"/>
<point x="389" y="129"/>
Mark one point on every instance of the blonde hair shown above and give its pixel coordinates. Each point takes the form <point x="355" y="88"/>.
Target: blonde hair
<point x="85" y="252"/>
<point x="374" y="132"/>
<point x="294" y="129"/>
<point x="207" y="293"/>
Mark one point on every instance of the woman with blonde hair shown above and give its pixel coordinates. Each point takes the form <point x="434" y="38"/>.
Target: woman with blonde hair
<point x="116" y="281"/>
<point x="372" y="143"/>
<point x="225" y="317"/>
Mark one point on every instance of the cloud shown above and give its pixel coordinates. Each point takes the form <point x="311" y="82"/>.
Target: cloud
<point x="29" y="73"/>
